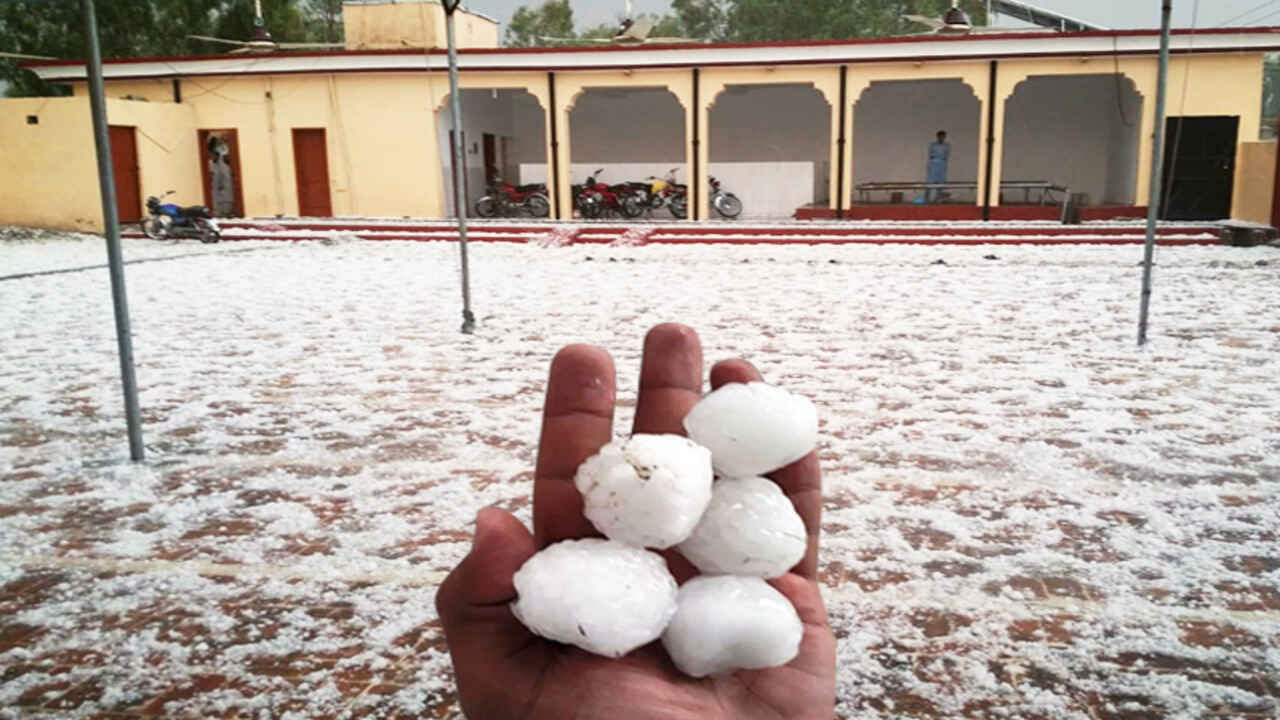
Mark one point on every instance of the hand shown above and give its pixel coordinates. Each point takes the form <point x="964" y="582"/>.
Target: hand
<point x="503" y="671"/>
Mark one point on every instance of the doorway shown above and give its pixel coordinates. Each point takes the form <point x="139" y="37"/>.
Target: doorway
<point x="220" y="160"/>
<point x="311" y="164"/>
<point x="124" y="167"/>
<point x="1199" y="167"/>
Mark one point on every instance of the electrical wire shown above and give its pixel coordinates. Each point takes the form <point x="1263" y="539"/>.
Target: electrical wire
<point x="1268" y="16"/>
<point x="1248" y="12"/>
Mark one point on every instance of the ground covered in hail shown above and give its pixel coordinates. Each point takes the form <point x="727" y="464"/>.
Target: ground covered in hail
<point x="1026" y="516"/>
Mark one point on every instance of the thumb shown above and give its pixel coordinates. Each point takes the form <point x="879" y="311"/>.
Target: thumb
<point x="472" y="601"/>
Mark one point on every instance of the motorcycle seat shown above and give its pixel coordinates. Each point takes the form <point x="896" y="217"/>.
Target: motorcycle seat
<point x="535" y="187"/>
<point x="194" y="211"/>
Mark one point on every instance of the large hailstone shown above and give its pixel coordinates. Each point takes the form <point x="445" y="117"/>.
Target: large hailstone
<point x="750" y="528"/>
<point x="753" y="428"/>
<point x="605" y="597"/>
<point x="647" y="491"/>
<point x="725" y="623"/>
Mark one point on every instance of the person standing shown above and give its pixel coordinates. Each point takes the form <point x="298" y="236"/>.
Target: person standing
<point x="936" y="171"/>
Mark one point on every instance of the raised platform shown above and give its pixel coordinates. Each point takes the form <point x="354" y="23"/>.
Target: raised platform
<point x="960" y="232"/>
<point x="911" y="212"/>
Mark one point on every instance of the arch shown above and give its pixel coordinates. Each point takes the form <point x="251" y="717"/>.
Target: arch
<point x="515" y="118"/>
<point x="894" y="121"/>
<point x="631" y="132"/>
<point x="1082" y="131"/>
<point x="771" y="145"/>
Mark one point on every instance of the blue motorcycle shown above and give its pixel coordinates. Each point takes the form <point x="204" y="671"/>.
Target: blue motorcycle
<point x="167" y="220"/>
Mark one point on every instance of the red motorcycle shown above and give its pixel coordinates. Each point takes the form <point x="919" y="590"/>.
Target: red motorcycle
<point x="595" y="199"/>
<point x="507" y="200"/>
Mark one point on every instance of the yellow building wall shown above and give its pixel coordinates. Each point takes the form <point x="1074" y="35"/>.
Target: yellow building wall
<point x="1203" y="85"/>
<point x="49" y="171"/>
<point x="1257" y="181"/>
<point x="383" y="26"/>
<point x="383" y="137"/>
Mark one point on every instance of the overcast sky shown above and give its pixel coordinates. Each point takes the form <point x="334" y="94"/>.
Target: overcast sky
<point x="1108" y="13"/>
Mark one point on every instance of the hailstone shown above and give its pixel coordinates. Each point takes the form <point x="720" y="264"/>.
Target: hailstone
<point x="750" y="528"/>
<point x="602" y="596"/>
<point x="725" y="623"/>
<point x="753" y="428"/>
<point x="648" y="490"/>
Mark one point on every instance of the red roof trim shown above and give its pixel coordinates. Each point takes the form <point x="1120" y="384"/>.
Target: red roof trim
<point x="694" y="46"/>
<point x="745" y="63"/>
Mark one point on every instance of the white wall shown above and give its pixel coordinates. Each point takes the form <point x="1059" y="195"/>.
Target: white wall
<point x="1070" y="130"/>
<point x="894" y="122"/>
<point x="773" y="143"/>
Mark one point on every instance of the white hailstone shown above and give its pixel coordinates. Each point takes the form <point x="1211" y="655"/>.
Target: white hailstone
<point x="602" y="596"/>
<point x="647" y="491"/>
<point x="750" y="528"/>
<point x="725" y="623"/>
<point x="753" y="428"/>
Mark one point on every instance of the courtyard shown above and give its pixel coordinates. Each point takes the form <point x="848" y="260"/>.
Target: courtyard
<point x="1025" y="515"/>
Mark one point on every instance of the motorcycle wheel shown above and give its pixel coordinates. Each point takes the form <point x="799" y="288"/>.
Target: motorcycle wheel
<point x="679" y="207"/>
<point x="154" y="228"/>
<point x="208" y="235"/>
<point x="591" y="207"/>
<point x="631" y="207"/>
<point x="538" y="206"/>
<point x="486" y="207"/>
<point x="727" y="204"/>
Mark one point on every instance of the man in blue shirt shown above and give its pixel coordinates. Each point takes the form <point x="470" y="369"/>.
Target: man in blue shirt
<point x="939" y="155"/>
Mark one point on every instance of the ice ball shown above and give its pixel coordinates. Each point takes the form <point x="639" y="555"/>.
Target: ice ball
<point x="647" y="491"/>
<point x="753" y="428"/>
<point x="750" y="528"/>
<point x="602" y="596"/>
<point x="725" y="623"/>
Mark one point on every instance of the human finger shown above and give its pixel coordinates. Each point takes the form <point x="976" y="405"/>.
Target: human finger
<point x="670" y="379"/>
<point x="577" y="421"/>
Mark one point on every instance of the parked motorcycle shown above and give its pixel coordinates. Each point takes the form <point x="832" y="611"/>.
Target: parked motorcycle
<point x="507" y="200"/>
<point x="595" y="199"/>
<point x="724" y="202"/>
<point x="666" y="191"/>
<point x="167" y="220"/>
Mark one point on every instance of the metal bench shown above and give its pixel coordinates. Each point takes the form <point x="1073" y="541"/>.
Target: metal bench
<point x="1046" y="193"/>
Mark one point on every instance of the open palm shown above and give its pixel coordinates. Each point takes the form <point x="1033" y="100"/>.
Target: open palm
<point x="503" y="671"/>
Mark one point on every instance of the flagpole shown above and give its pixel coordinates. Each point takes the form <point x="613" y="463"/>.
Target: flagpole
<point x="459" y="168"/>
<point x="1157" y="162"/>
<point x="111" y="221"/>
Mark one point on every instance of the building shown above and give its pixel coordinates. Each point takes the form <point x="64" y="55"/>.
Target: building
<point x="818" y="129"/>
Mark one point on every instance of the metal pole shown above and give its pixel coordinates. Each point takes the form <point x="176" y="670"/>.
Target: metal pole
<point x="111" y="219"/>
<point x="459" y="169"/>
<point x="1157" y="162"/>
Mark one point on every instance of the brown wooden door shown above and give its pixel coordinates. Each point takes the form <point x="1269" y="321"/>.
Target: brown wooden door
<point x="124" y="166"/>
<point x="491" y="168"/>
<point x="311" y="162"/>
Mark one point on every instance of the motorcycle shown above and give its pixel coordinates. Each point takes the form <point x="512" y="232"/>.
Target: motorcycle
<point x="666" y="191"/>
<point x="595" y="199"/>
<point x="724" y="202"/>
<point x="506" y="200"/>
<point x="167" y="220"/>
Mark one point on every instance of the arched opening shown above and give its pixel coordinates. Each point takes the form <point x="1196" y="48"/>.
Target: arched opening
<point x="894" y="124"/>
<point x="770" y="144"/>
<point x="1080" y="132"/>
<point x="504" y="136"/>
<point x="628" y="134"/>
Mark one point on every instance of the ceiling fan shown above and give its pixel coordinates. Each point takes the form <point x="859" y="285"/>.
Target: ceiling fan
<point x="953" y="22"/>
<point x="630" y="32"/>
<point x="261" y="40"/>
